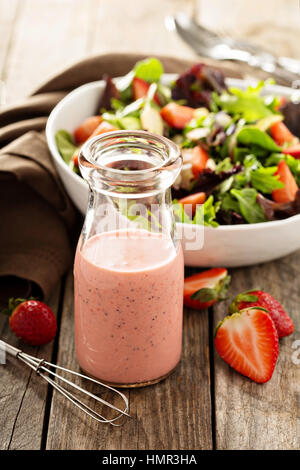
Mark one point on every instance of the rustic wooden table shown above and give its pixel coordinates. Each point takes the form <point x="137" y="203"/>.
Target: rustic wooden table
<point x="204" y="404"/>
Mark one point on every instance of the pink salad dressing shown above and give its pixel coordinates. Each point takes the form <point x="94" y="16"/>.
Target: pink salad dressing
<point x="128" y="306"/>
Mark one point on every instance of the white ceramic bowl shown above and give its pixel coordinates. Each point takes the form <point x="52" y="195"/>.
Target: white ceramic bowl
<point x="229" y="246"/>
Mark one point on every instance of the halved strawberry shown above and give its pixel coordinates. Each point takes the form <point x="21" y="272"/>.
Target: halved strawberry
<point x="176" y="115"/>
<point x="259" y="298"/>
<point x="140" y="89"/>
<point x="248" y="342"/>
<point x="204" y="289"/>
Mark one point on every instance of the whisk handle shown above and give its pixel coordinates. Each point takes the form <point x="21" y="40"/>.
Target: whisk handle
<point x="9" y="349"/>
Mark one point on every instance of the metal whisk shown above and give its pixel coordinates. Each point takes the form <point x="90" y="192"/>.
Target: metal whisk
<point x="44" y="369"/>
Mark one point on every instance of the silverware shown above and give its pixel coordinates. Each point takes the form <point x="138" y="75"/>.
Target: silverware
<point x="223" y="47"/>
<point x="44" y="369"/>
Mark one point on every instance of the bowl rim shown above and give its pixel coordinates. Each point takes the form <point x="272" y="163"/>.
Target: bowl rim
<point x="240" y="83"/>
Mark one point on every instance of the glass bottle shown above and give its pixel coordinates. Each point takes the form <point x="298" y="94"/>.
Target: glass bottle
<point x="129" y="268"/>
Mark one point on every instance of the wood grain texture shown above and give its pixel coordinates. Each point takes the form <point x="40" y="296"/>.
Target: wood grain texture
<point x="254" y="416"/>
<point x="48" y="35"/>
<point x="8" y="15"/>
<point x="23" y="395"/>
<point x="37" y="39"/>
<point x="175" y="414"/>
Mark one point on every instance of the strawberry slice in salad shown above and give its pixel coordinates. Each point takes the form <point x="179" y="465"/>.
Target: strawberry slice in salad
<point x="177" y="116"/>
<point x="199" y="160"/>
<point x="293" y="150"/>
<point x="86" y="129"/>
<point x="192" y="200"/>
<point x="281" y="134"/>
<point x="140" y="89"/>
<point x="288" y="193"/>
<point x="204" y="289"/>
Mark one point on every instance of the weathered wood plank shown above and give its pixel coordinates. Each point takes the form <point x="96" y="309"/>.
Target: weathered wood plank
<point x="252" y="416"/>
<point x="22" y="394"/>
<point x="137" y="27"/>
<point x="8" y="13"/>
<point x="48" y="35"/>
<point x="174" y="414"/>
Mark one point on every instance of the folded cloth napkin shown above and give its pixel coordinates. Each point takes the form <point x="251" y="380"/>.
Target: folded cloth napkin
<point x="37" y="217"/>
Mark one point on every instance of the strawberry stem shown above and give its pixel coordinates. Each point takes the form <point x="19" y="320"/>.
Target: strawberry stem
<point x="13" y="304"/>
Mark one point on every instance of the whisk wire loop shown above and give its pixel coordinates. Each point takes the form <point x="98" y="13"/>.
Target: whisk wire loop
<point x="44" y="369"/>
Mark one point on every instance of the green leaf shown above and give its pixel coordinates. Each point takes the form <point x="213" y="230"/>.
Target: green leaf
<point x="180" y="214"/>
<point x="226" y="185"/>
<point x="248" y="104"/>
<point x="206" y="214"/>
<point x="223" y="287"/>
<point x="229" y="203"/>
<point x="65" y="145"/>
<point x="224" y="165"/>
<point x="219" y="292"/>
<point x="130" y="122"/>
<point x="251" y="135"/>
<point x="205" y="295"/>
<point x="246" y="298"/>
<point x="249" y="208"/>
<point x="264" y="181"/>
<point x="149" y="69"/>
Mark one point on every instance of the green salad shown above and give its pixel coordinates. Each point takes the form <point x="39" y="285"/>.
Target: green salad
<point x="240" y="148"/>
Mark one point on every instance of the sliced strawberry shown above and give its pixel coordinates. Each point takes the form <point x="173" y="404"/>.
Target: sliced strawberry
<point x="199" y="160"/>
<point x="248" y="342"/>
<point x="288" y="193"/>
<point x="176" y="115"/>
<point x="281" y="134"/>
<point x="259" y="298"/>
<point x="85" y="130"/>
<point x="192" y="200"/>
<point x="205" y="289"/>
<point x="294" y="150"/>
<point x="140" y="89"/>
<point x="104" y="127"/>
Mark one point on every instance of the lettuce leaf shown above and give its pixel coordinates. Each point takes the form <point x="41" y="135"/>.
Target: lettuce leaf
<point x="150" y="69"/>
<point x="247" y="103"/>
<point x="249" y="208"/>
<point x="263" y="180"/>
<point x="251" y="135"/>
<point x="65" y="145"/>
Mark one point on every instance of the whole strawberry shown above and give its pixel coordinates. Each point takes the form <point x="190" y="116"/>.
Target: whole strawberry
<point x="32" y="321"/>
<point x="259" y="298"/>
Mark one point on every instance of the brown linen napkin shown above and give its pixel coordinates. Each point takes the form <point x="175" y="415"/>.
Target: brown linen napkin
<point x="37" y="217"/>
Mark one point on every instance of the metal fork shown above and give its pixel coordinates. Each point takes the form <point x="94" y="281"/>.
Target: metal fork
<point x="222" y="47"/>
